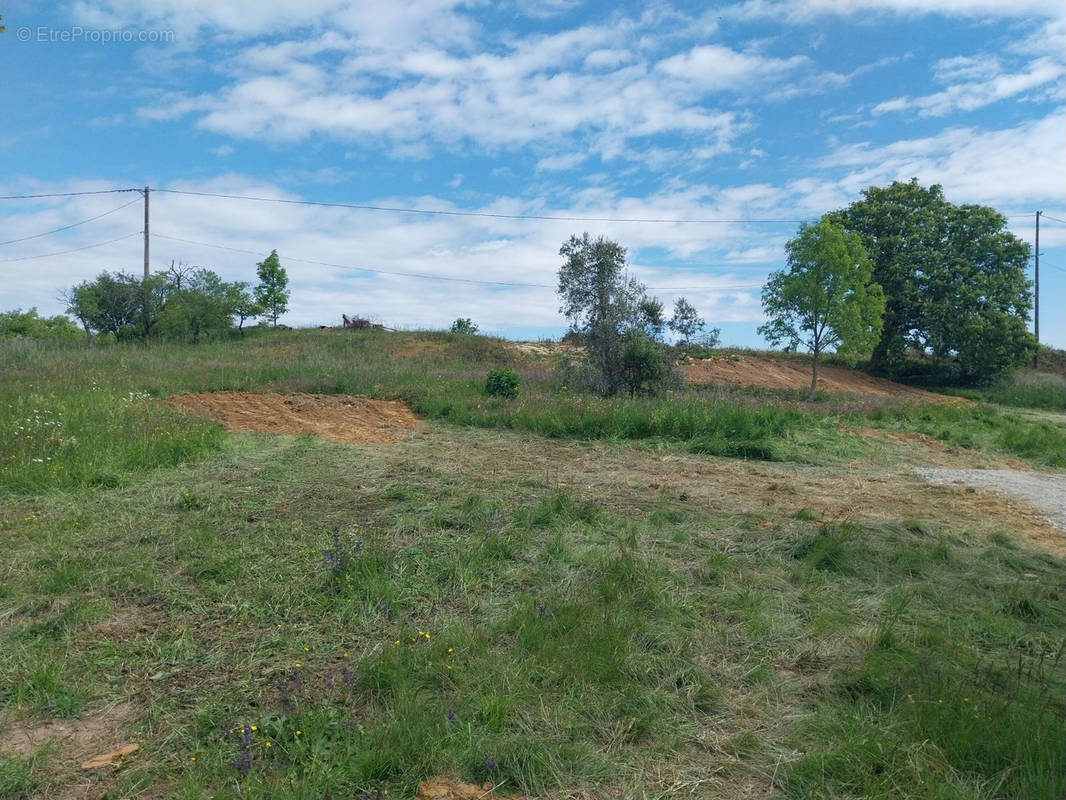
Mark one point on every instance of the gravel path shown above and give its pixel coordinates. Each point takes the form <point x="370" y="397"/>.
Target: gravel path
<point x="1046" y="491"/>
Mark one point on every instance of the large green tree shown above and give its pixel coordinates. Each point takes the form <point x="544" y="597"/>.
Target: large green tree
<point x="826" y="299"/>
<point x="953" y="276"/>
<point x="272" y="292"/>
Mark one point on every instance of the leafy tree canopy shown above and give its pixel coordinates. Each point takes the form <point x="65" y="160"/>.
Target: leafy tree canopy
<point x="272" y="292"/>
<point x="954" y="280"/>
<point x="826" y="298"/>
<point x="604" y="304"/>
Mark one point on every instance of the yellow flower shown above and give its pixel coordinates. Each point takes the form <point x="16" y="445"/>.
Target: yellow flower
<point x="345" y="655"/>
<point x="298" y="732"/>
<point x="268" y="744"/>
<point x="255" y="728"/>
<point x="966" y="699"/>
<point x="297" y="665"/>
<point x="306" y="650"/>
<point x="192" y="758"/>
<point x="451" y="649"/>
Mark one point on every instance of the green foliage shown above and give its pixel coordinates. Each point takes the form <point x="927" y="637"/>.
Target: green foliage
<point x="685" y="322"/>
<point x="502" y="383"/>
<point x="31" y="325"/>
<point x="199" y="302"/>
<point x="954" y="280"/>
<point x="464" y="326"/>
<point x="180" y="303"/>
<point x="242" y="303"/>
<point x="602" y="303"/>
<point x="826" y="299"/>
<point x="271" y="292"/>
<point x="645" y="363"/>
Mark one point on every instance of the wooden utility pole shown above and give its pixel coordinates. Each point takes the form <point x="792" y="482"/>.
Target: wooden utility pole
<point x="1036" y="293"/>
<point x="146" y="190"/>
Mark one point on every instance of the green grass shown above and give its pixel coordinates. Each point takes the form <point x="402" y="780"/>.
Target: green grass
<point x="980" y="427"/>
<point x="382" y="615"/>
<point x="70" y="438"/>
<point x="1035" y="390"/>
<point x="442" y="377"/>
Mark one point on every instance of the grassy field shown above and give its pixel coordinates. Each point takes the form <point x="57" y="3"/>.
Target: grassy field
<point x="559" y="595"/>
<point x="1027" y="390"/>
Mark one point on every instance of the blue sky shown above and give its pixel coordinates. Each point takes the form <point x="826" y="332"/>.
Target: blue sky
<point x="772" y="110"/>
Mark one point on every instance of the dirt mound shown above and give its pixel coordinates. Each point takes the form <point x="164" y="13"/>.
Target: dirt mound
<point x="774" y="374"/>
<point x="338" y="418"/>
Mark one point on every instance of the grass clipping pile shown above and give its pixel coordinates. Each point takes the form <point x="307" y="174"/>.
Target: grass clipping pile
<point x="337" y="418"/>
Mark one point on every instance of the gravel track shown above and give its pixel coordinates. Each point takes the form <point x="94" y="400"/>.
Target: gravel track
<point x="1046" y="491"/>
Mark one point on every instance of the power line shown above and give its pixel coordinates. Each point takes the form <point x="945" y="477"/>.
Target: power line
<point x="1056" y="219"/>
<point x="730" y="287"/>
<point x="74" y="225"/>
<point x="75" y="250"/>
<point x="483" y="213"/>
<point x="62" y="194"/>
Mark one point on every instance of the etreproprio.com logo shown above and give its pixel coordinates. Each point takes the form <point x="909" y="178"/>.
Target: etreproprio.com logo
<point x="47" y="34"/>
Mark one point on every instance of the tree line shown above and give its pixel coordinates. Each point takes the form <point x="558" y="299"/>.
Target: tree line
<point x="182" y="302"/>
<point x="913" y="284"/>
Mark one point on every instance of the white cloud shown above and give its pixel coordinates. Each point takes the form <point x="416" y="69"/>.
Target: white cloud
<point x="714" y="67"/>
<point x="806" y="10"/>
<point x="998" y="167"/>
<point x="972" y="95"/>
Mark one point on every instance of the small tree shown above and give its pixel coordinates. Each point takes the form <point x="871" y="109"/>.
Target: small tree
<point x="465" y="326"/>
<point x="271" y="293"/>
<point x="203" y="304"/>
<point x="602" y="303"/>
<point x="118" y="303"/>
<point x="686" y="323"/>
<point x="242" y="303"/>
<point x="827" y="298"/>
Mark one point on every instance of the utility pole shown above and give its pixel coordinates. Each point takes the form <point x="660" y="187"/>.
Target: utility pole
<point x="1036" y="293"/>
<point x="146" y="190"/>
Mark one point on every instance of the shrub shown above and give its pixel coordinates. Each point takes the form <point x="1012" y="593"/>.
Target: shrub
<point x="465" y="326"/>
<point x="502" y="383"/>
<point x="644" y="364"/>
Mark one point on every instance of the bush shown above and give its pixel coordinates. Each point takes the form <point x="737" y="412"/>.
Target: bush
<point x="465" y="326"/>
<point x="502" y="383"/>
<point x="645" y="364"/>
<point x="30" y="325"/>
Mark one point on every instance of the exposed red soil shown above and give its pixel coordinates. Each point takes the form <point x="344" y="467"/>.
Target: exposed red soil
<point x="786" y="374"/>
<point x="338" y="418"/>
